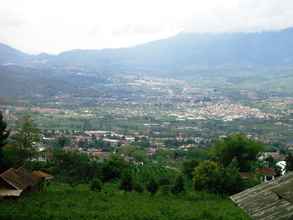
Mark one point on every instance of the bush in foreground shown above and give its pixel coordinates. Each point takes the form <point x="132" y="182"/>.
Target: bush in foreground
<point x="96" y="185"/>
<point x="178" y="186"/>
<point x="126" y="182"/>
<point x="152" y="186"/>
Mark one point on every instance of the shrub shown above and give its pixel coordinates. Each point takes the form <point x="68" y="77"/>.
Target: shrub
<point x="165" y="189"/>
<point x="206" y="176"/>
<point x="164" y="181"/>
<point x="230" y="180"/>
<point x="126" y="181"/>
<point x="138" y="187"/>
<point x="210" y="176"/>
<point x="96" y="185"/>
<point x="113" y="168"/>
<point x="152" y="186"/>
<point x="178" y="186"/>
<point x="188" y="167"/>
<point x="75" y="166"/>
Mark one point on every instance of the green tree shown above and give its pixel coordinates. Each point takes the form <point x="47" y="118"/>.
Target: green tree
<point x="188" y="167"/>
<point x="27" y="136"/>
<point x="127" y="150"/>
<point x="74" y="166"/>
<point x="13" y="156"/>
<point x="113" y="168"/>
<point x="212" y="177"/>
<point x="236" y="147"/>
<point x="140" y="155"/>
<point x="206" y="176"/>
<point x="4" y="133"/>
<point x="164" y="155"/>
<point x="230" y="179"/>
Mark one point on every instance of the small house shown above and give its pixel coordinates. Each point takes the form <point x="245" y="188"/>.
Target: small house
<point x="266" y="174"/>
<point x="11" y="185"/>
<point x="13" y="182"/>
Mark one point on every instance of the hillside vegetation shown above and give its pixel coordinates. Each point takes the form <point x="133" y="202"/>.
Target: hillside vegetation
<point x="62" y="201"/>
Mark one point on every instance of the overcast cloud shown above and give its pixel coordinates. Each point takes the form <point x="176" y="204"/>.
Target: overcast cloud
<point x="57" y="25"/>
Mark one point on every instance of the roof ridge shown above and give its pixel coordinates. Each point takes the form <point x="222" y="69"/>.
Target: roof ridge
<point x="3" y="176"/>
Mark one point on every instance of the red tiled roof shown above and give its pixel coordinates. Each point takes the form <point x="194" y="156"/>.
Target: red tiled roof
<point x="266" y="171"/>
<point x="41" y="175"/>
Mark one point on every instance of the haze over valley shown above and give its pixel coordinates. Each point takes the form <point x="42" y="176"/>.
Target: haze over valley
<point x="239" y="81"/>
<point x="146" y="110"/>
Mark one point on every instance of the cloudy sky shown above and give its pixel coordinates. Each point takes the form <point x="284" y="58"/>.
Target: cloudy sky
<point x="56" y="25"/>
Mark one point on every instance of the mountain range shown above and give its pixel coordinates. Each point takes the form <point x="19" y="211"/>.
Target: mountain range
<point x="184" y="52"/>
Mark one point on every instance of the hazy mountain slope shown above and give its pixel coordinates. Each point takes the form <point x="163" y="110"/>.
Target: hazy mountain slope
<point x="189" y="50"/>
<point x="9" y="55"/>
<point x="186" y="51"/>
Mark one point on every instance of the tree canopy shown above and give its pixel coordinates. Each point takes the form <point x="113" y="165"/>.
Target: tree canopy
<point x="26" y="138"/>
<point x="236" y="147"/>
<point x="4" y="133"/>
<point x="212" y="177"/>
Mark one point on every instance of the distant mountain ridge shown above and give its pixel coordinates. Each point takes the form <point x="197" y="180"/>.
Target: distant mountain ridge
<point x="185" y="51"/>
<point x="10" y="55"/>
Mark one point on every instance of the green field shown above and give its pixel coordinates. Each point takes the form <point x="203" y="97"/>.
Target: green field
<point x="61" y="201"/>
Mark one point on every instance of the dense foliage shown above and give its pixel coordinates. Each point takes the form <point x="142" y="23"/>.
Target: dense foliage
<point x="73" y="166"/>
<point x="24" y="143"/>
<point x="212" y="177"/>
<point x="151" y="180"/>
<point x="237" y="147"/>
<point x="127" y="183"/>
<point x="178" y="186"/>
<point x="96" y="185"/>
<point x="188" y="167"/>
<point x="27" y="134"/>
<point x="4" y="133"/>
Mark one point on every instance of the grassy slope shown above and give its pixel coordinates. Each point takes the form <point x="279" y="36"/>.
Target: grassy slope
<point x="61" y="201"/>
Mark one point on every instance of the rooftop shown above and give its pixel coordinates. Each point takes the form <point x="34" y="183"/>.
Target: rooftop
<point x="270" y="200"/>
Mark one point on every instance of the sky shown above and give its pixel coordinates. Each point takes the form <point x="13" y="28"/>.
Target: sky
<point x="53" y="26"/>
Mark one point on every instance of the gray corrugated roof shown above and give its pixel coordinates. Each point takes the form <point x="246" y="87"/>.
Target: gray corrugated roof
<point x="268" y="201"/>
<point x="13" y="179"/>
<point x="19" y="178"/>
